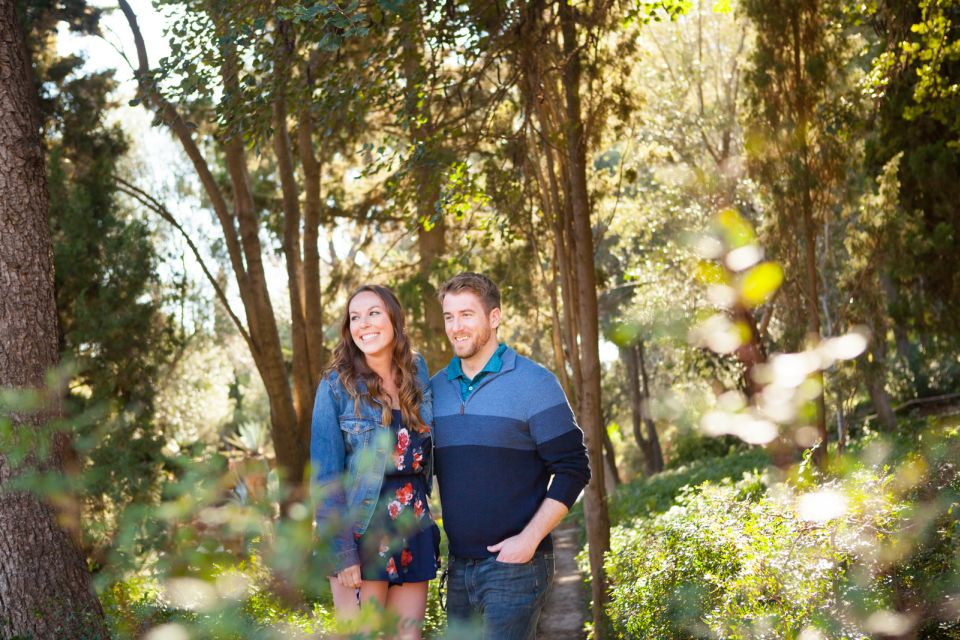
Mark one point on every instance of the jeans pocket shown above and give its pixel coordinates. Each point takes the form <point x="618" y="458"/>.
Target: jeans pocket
<point x="528" y="577"/>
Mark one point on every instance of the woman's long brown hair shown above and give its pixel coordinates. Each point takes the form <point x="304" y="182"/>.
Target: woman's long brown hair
<point x="351" y="364"/>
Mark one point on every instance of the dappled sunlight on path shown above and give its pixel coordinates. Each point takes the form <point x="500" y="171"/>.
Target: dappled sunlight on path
<point x="563" y="615"/>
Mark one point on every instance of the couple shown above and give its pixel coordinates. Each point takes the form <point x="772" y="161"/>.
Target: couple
<point x="496" y="428"/>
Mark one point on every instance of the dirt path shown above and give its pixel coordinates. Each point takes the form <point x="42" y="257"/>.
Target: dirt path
<point x="563" y="616"/>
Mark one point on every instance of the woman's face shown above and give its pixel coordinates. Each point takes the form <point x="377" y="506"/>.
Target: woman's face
<point x="370" y="324"/>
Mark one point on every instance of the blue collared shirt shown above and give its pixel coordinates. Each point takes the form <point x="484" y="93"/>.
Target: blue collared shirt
<point x="467" y="385"/>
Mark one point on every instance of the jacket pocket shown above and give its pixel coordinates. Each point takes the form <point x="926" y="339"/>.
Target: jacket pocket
<point x="353" y="424"/>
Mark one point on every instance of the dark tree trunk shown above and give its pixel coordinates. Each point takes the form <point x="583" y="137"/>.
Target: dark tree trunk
<point x="648" y="442"/>
<point x="431" y="228"/>
<point x="656" y="453"/>
<point x="595" y="505"/>
<point x="610" y="456"/>
<point x="921" y="384"/>
<point x="874" y="377"/>
<point x="807" y="226"/>
<point x="41" y="568"/>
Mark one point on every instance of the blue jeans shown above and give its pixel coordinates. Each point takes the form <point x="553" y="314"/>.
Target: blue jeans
<point x="506" y="599"/>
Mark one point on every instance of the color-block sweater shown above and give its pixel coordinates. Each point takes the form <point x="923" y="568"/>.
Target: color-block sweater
<point x="497" y="451"/>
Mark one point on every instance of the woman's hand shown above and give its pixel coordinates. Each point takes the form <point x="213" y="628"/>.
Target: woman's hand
<point x="350" y="577"/>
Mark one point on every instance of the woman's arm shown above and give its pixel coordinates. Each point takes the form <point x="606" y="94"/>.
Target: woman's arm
<point x="327" y="460"/>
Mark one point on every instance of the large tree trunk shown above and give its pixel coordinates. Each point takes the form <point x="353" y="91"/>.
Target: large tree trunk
<point x="41" y="568"/>
<point x="595" y="505"/>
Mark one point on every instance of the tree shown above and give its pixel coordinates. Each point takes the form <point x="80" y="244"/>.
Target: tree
<point x="41" y="567"/>
<point x="225" y="35"/>
<point x="913" y="121"/>
<point x="799" y="162"/>
<point x="557" y="147"/>
<point x="109" y="295"/>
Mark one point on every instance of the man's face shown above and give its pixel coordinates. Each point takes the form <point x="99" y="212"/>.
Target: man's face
<point x="469" y="327"/>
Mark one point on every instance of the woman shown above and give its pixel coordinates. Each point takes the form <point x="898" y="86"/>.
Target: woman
<point x="371" y="452"/>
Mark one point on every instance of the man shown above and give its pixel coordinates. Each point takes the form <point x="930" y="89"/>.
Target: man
<point x="503" y="429"/>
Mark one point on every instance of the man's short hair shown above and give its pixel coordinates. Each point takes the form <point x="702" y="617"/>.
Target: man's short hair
<point x="476" y="283"/>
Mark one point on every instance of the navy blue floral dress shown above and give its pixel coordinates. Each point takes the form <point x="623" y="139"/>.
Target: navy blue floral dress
<point x="402" y="543"/>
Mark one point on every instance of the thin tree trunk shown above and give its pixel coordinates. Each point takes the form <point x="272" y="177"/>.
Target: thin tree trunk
<point x="809" y="233"/>
<point x="312" y="216"/>
<point x="241" y="228"/>
<point x="42" y="570"/>
<point x="656" y="453"/>
<point x="595" y="506"/>
<point x="612" y="474"/>
<point x="303" y="386"/>
<point x="637" y="385"/>
<point x="431" y="226"/>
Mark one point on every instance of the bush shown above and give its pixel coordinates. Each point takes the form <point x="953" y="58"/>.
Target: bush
<point x="693" y="445"/>
<point x="656" y="494"/>
<point x="811" y="557"/>
<point x="731" y="561"/>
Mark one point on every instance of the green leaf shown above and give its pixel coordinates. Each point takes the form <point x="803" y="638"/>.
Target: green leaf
<point x="721" y="6"/>
<point x="760" y="283"/>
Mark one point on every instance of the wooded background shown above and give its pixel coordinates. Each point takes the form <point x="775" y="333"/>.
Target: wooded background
<point x="730" y="228"/>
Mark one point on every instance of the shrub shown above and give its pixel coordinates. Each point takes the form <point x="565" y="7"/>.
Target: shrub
<point x="805" y="557"/>
<point x="656" y="494"/>
<point x="692" y="445"/>
<point x="731" y="561"/>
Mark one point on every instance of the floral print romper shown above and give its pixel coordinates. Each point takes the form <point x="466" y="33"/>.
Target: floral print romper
<point x="402" y="543"/>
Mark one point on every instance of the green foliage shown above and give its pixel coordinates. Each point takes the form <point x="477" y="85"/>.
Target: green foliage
<point x="648" y="496"/>
<point x="806" y="557"/>
<point x="691" y="446"/>
<point x="915" y="83"/>
<point x="114" y="331"/>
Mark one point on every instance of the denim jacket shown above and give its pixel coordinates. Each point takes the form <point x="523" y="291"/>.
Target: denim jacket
<point x="348" y="456"/>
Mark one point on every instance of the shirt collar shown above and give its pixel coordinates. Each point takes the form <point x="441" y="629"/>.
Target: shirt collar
<point x="494" y="364"/>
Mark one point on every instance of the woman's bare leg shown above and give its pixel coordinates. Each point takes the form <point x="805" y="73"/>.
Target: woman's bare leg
<point x="348" y="607"/>
<point x="409" y="602"/>
<point x="344" y="600"/>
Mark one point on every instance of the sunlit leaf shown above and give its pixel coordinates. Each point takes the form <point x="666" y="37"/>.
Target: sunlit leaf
<point x="722" y="6"/>
<point x="736" y="230"/>
<point x="624" y="333"/>
<point x="710" y="272"/>
<point x="760" y="283"/>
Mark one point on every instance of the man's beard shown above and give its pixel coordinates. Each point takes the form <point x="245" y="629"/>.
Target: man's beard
<point x="478" y="344"/>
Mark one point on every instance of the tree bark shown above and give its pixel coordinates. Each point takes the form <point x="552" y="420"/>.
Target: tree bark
<point x="303" y="386"/>
<point x="290" y="408"/>
<point x="41" y="568"/>
<point x="808" y="229"/>
<point x="595" y="505"/>
<point x="431" y="227"/>
<point x="312" y="218"/>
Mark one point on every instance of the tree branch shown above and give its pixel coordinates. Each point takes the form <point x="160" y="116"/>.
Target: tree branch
<point x="160" y="209"/>
<point x="149" y="93"/>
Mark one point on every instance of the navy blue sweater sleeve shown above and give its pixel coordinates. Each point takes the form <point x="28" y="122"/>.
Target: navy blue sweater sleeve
<point x="559" y="442"/>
